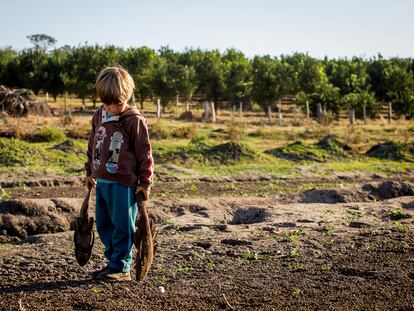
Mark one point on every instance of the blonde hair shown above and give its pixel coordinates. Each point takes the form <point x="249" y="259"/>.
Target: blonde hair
<point x="114" y="85"/>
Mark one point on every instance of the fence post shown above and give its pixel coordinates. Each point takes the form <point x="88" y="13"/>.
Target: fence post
<point x="241" y="109"/>
<point x="389" y="112"/>
<point x="177" y="100"/>
<point x="66" y="101"/>
<point x="158" y="107"/>
<point x="233" y="113"/>
<point x="307" y="110"/>
<point x="269" y="114"/>
<point x="352" y="116"/>
<point x="206" y="112"/>
<point x="213" y="112"/>
<point x="364" y="113"/>
<point x="279" y="110"/>
<point x="319" y="112"/>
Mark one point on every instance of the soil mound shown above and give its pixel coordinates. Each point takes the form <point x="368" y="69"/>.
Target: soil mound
<point x="299" y="151"/>
<point x="330" y="146"/>
<point x="250" y="215"/>
<point x="389" y="189"/>
<point x="22" y="102"/>
<point x="391" y="151"/>
<point x="229" y="152"/>
<point x="68" y="146"/>
<point x="333" y="196"/>
<point x="366" y="193"/>
<point x="22" y="218"/>
<point x="333" y="144"/>
<point x="187" y="116"/>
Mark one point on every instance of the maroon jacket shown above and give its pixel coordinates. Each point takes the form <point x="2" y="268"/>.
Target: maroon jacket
<point x="119" y="148"/>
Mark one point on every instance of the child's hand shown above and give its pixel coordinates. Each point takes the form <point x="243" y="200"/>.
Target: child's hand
<point x="90" y="182"/>
<point x="145" y="191"/>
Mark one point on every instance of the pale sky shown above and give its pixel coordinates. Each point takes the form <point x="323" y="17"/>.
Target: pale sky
<point x="335" y="28"/>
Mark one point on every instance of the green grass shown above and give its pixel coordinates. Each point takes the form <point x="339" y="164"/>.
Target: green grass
<point x="16" y="153"/>
<point x="223" y="150"/>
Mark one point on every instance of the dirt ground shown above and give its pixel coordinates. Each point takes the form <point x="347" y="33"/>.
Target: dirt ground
<point x="348" y="249"/>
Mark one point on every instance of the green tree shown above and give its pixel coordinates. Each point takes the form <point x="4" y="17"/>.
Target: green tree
<point x="83" y="66"/>
<point x="210" y="75"/>
<point x="28" y="64"/>
<point x="42" y="42"/>
<point x="188" y="82"/>
<point x="271" y="80"/>
<point x="140" y="64"/>
<point x="51" y="72"/>
<point x="393" y="81"/>
<point x="237" y="74"/>
<point x="7" y="56"/>
<point x="353" y="81"/>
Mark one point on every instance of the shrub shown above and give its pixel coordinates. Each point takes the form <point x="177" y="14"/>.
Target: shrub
<point x="185" y="132"/>
<point x="46" y="134"/>
<point x="158" y="131"/>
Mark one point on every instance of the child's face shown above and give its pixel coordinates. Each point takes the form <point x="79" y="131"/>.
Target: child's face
<point x="115" y="110"/>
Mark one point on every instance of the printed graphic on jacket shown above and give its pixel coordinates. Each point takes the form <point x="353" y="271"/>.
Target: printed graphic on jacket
<point x="114" y="150"/>
<point x="100" y="137"/>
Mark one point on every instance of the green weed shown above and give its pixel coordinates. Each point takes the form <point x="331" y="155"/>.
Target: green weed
<point x="294" y="235"/>
<point x="184" y="269"/>
<point x="404" y="247"/>
<point x="397" y="214"/>
<point x="326" y="267"/>
<point x="368" y="246"/>
<point x="255" y="256"/>
<point x="328" y="227"/>
<point x="296" y="266"/>
<point x="210" y="265"/>
<point x="97" y="289"/>
<point x="4" y="195"/>
<point x="296" y="291"/>
<point x="328" y="242"/>
<point x="400" y="226"/>
<point x="294" y="252"/>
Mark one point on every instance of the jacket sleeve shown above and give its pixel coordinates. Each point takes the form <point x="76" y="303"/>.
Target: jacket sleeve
<point x="91" y="139"/>
<point x="143" y="153"/>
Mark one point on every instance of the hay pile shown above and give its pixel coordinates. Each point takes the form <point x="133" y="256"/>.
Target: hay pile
<point x="21" y="102"/>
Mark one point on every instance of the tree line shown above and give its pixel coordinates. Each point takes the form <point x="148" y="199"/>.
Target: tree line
<point x="225" y="78"/>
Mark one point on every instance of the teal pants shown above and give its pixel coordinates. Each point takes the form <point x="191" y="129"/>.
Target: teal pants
<point x="116" y="211"/>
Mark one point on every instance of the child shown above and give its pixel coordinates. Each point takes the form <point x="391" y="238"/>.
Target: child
<point x="120" y="164"/>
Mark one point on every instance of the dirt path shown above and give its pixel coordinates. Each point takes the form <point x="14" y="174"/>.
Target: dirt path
<point x="240" y="253"/>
